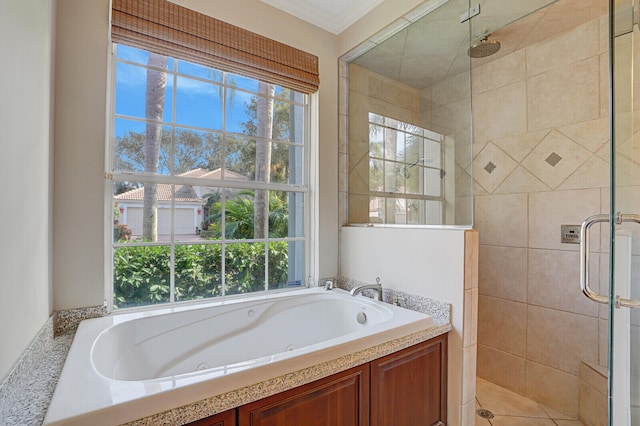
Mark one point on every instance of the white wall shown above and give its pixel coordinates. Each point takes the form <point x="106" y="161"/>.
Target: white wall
<point x="425" y="262"/>
<point x="26" y="29"/>
<point x="80" y="112"/>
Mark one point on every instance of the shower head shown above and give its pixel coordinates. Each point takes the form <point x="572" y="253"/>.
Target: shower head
<point x="483" y="48"/>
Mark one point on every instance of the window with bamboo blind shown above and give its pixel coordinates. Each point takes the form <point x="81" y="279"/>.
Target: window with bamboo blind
<point x="208" y="177"/>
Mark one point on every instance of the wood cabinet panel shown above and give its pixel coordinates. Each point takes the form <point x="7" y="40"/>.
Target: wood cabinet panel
<point x="227" y="418"/>
<point x="409" y="387"/>
<point x="338" y="400"/>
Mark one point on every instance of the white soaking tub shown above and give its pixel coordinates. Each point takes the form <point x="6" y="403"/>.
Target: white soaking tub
<point x="127" y="366"/>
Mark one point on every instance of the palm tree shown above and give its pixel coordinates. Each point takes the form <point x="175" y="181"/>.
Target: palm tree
<point x="263" y="155"/>
<point x="154" y="108"/>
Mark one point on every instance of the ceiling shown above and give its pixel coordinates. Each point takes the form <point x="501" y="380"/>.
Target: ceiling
<point x="331" y="15"/>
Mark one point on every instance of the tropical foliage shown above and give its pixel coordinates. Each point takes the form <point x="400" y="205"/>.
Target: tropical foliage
<point x="141" y="275"/>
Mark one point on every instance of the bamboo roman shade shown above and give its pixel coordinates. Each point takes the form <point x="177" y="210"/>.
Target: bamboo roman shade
<point x="169" y="29"/>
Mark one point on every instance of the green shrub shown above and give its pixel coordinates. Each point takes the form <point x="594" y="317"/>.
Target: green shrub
<point x="141" y="274"/>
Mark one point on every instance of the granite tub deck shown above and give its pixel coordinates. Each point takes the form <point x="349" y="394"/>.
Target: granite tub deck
<point x="25" y="394"/>
<point x="27" y="389"/>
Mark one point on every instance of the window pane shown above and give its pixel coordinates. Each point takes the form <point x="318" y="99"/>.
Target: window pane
<point x="200" y="71"/>
<point x="210" y="214"/>
<point x="433" y="182"/>
<point x="391" y="138"/>
<point x="296" y="117"/>
<point x="376" y="141"/>
<point x="198" y="104"/>
<point x="376" y="175"/>
<point x="239" y="214"/>
<point x="413" y="149"/>
<point x="129" y="150"/>
<point x="240" y="82"/>
<point x="432" y="154"/>
<point x="414" y="179"/>
<point x="375" y="118"/>
<point x="377" y="206"/>
<point x="240" y="158"/>
<point x="198" y="271"/>
<point x="132" y="54"/>
<point x="131" y="92"/>
<point x="286" y="214"/>
<point x="415" y="211"/>
<point x="141" y="275"/>
<point x="286" y="264"/>
<point x="434" y="213"/>
<point x="244" y="268"/>
<point x="393" y="181"/>
<point x="195" y="149"/>
<point x="286" y="163"/>
<point x="241" y="112"/>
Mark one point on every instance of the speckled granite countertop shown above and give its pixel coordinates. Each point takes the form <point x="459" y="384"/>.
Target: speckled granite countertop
<point x="26" y="391"/>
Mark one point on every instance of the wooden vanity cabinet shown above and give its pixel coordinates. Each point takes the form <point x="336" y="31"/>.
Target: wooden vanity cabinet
<point x="338" y="400"/>
<point x="227" y="418"/>
<point x="405" y="388"/>
<point x="409" y="387"/>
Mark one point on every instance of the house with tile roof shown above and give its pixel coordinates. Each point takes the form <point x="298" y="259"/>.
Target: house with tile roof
<point x="188" y="203"/>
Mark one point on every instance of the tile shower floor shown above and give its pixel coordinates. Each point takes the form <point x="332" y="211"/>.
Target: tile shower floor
<point x="511" y="409"/>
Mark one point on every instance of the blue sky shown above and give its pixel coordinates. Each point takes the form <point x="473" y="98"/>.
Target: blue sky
<point x="198" y="103"/>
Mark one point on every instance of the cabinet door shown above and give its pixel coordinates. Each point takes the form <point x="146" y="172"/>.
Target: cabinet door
<point x="338" y="400"/>
<point x="227" y="418"/>
<point x="409" y="387"/>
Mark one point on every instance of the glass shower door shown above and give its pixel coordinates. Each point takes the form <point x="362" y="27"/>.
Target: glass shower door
<point x="624" y="223"/>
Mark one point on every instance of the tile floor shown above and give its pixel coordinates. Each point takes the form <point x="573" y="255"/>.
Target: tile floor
<point x="511" y="409"/>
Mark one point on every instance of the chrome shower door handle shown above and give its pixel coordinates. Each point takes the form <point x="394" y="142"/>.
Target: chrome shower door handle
<point x="584" y="258"/>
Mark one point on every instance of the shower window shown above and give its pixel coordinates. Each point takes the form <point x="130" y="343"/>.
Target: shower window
<point x="405" y="172"/>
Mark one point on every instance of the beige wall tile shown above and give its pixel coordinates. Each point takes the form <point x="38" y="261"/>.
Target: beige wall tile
<point x="561" y="339"/>
<point x="519" y="146"/>
<point x="469" y="362"/>
<point x="521" y="181"/>
<point x="563" y="49"/>
<point x="575" y="93"/>
<point x="592" y="410"/>
<point x="595" y="376"/>
<point x="603" y="342"/>
<point x="500" y="72"/>
<point x="509" y="103"/>
<point x="549" y="210"/>
<point x="503" y="272"/>
<point x="592" y="134"/>
<point x="502" y="324"/>
<point x="594" y="173"/>
<point x="554" y="278"/>
<point x="469" y="414"/>
<point x="553" y="388"/>
<point x="502" y="219"/>
<point x="501" y="368"/>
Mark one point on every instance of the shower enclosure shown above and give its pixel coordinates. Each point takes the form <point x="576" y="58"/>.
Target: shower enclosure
<point x="538" y="155"/>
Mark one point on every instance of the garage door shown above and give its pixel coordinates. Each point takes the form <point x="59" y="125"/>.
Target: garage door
<point x="184" y="221"/>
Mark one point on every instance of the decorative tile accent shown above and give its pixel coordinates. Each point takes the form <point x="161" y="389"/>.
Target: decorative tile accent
<point x="572" y="155"/>
<point x="553" y="159"/>
<point x="497" y="165"/>
<point x="490" y="167"/>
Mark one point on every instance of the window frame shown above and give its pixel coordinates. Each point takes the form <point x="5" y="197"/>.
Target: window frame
<point x="309" y="182"/>
<point x="426" y="136"/>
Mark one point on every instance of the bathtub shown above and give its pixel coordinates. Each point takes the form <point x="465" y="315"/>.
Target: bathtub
<point x="127" y="366"/>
